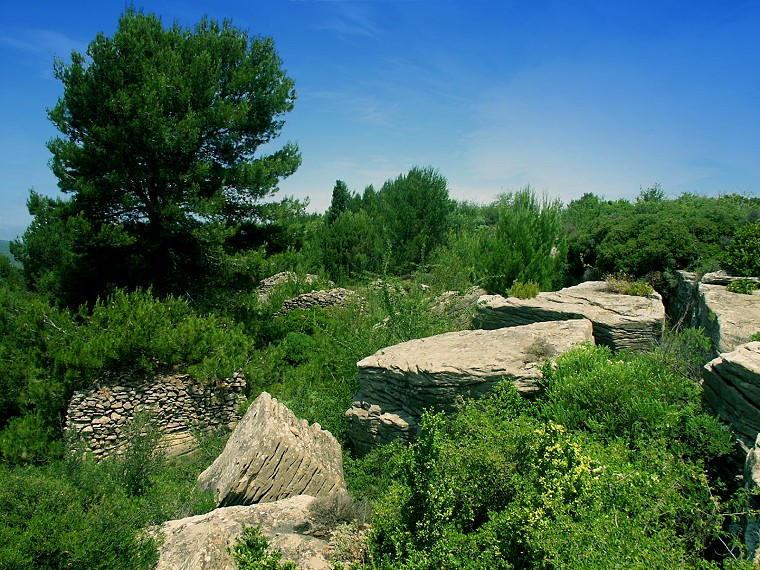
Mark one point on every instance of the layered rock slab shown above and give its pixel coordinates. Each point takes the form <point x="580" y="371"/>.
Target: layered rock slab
<point x="273" y="455"/>
<point x="619" y="321"/>
<point x="729" y="319"/>
<point x="731" y="384"/>
<point x="202" y="542"/>
<point x="396" y="384"/>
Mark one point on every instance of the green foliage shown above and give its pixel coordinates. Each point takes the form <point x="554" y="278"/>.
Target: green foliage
<point x="654" y="234"/>
<point x="414" y="216"/>
<point x="742" y="255"/>
<point x="634" y="399"/>
<point x="51" y="353"/>
<point x="159" y="129"/>
<point x="524" y="245"/>
<point x="319" y="385"/>
<point x="506" y="484"/>
<point x="252" y="552"/>
<point x="352" y="245"/>
<point x="521" y="290"/>
<point x="82" y="514"/>
<point x="755" y="336"/>
<point x="627" y="285"/>
<point x="743" y="286"/>
<point x="341" y="198"/>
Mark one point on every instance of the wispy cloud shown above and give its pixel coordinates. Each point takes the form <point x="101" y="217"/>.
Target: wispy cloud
<point x="365" y="108"/>
<point x="39" y="47"/>
<point x="348" y="18"/>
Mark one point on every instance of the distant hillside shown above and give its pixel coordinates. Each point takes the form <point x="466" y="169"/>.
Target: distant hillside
<point x="5" y="249"/>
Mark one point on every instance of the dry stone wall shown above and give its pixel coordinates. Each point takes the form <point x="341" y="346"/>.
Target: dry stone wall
<point x="178" y="406"/>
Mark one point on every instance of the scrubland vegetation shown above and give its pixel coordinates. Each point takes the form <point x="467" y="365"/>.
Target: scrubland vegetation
<point x="152" y="262"/>
<point x="616" y="452"/>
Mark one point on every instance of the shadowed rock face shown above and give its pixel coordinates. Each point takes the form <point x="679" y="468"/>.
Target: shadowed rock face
<point x="273" y="455"/>
<point x="396" y="384"/>
<point x="202" y="542"/>
<point x="620" y="321"/>
<point x="731" y="384"/>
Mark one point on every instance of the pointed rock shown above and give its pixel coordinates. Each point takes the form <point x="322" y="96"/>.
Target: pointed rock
<point x="273" y="455"/>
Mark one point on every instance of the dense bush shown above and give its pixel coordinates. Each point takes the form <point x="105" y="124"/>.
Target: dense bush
<point x="78" y="514"/>
<point x="742" y="255"/>
<point x="654" y="233"/>
<point x="52" y="353"/>
<point x="743" y="286"/>
<point x="506" y="485"/>
<point x="525" y="245"/>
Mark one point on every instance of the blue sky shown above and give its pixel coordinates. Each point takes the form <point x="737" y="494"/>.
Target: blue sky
<point x="570" y="97"/>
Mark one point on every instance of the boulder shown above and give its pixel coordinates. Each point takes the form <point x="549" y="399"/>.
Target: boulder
<point x="397" y="383"/>
<point x="729" y="319"/>
<point x="731" y="385"/>
<point x="202" y="542"/>
<point x="273" y="455"/>
<point x="620" y="321"/>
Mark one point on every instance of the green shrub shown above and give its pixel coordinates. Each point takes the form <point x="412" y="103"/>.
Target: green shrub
<point x="506" y="485"/>
<point x="633" y="398"/>
<point x="742" y="255"/>
<point x="755" y="336"/>
<point x="526" y="244"/>
<point x="252" y="552"/>
<point x="627" y="285"/>
<point x="299" y="348"/>
<point x="521" y="290"/>
<point x="743" y="286"/>
<point x="69" y="517"/>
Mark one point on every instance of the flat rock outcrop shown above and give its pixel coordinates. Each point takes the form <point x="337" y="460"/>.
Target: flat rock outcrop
<point x="731" y="384"/>
<point x="397" y="383"/>
<point x="273" y="455"/>
<point x="620" y="321"/>
<point x="729" y="319"/>
<point x="202" y="542"/>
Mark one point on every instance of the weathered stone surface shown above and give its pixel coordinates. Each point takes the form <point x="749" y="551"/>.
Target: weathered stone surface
<point x="202" y="542"/>
<point x="731" y="385"/>
<point x="723" y="278"/>
<point x="620" y="321"/>
<point x="397" y="383"/>
<point x="176" y="403"/>
<point x="682" y="301"/>
<point x="273" y="455"/>
<point x="321" y="298"/>
<point x="266" y="286"/>
<point x="729" y="319"/>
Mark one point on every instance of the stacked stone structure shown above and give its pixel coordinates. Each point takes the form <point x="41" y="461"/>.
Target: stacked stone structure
<point x="177" y="405"/>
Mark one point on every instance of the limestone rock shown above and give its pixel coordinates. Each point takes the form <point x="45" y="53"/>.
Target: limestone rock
<point x="682" y="301"/>
<point x="620" y="321"/>
<point x="201" y="542"/>
<point x="397" y="383"/>
<point x="266" y="286"/>
<point x="731" y="385"/>
<point x="273" y="455"/>
<point x="729" y="319"/>
<point x="177" y="405"/>
<point x="321" y="298"/>
<point x="723" y="278"/>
